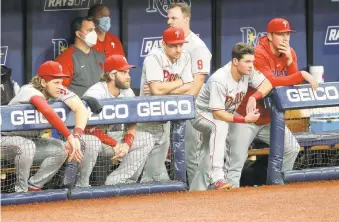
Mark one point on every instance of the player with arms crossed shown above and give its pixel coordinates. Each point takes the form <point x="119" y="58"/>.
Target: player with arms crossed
<point x="166" y="70"/>
<point x="46" y="86"/>
<point x="278" y="62"/>
<point x="115" y="83"/>
<point x="216" y="104"/>
<point x="179" y="16"/>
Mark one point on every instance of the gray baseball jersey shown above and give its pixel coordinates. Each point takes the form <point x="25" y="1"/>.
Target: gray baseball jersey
<point x="222" y="92"/>
<point x="28" y="91"/>
<point x="48" y="151"/>
<point x="200" y="54"/>
<point x="157" y="67"/>
<point x="132" y="162"/>
<point x="100" y="91"/>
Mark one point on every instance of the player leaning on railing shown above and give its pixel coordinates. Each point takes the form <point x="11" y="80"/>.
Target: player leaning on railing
<point x="129" y="145"/>
<point x="51" y="153"/>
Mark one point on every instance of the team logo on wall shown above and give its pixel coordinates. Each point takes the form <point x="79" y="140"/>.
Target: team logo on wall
<point x="149" y="43"/>
<point x="332" y="35"/>
<point x="60" y="5"/>
<point x="161" y="6"/>
<point x="3" y="54"/>
<point x="59" y="45"/>
<point x="250" y="35"/>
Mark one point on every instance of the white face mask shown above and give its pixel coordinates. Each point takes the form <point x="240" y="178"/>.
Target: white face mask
<point x="91" y="38"/>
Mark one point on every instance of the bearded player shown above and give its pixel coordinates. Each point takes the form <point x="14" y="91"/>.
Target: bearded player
<point x="124" y="143"/>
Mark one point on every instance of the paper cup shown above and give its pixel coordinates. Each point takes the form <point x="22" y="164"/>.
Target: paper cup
<point x="318" y="73"/>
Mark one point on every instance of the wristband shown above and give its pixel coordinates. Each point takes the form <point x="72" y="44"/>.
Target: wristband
<point x="238" y="119"/>
<point x="77" y="132"/>
<point x="257" y="95"/>
<point x="128" y="138"/>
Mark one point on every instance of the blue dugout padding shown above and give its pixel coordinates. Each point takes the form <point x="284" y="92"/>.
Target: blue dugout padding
<point x="177" y="109"/>
<point x="34" y="197"/>
<point x="119" y="110"/>
<point x="298" y="97"/>
<point x="126" y="189"/>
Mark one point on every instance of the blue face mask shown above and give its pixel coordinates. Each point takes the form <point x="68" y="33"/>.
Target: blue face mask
<point x="105" y="23"/>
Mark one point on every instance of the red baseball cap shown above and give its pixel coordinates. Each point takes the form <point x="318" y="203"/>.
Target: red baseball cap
<point x="173" y="36"/>
<point x="116" y="62"/>
<point x="51" y="70"/>
<point x="279" y="25"/>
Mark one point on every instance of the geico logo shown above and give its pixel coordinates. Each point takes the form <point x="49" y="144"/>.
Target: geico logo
<point x="119" y="111"/>
<point x="20" y="117"/>
<point x="307" y="94"/>
<point x="148" y="44"/>
<point x="164" y="108"/>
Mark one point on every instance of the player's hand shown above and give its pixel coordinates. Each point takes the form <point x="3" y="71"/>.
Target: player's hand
<point x="147" y="90"/>
<point x="252" y="116"/>
<point x="74" y="149"/>
<point x="251" y="104"/>
<point x="285" y="48"/>
<point x="120" y="150"/>
<point x="309" y="78"/>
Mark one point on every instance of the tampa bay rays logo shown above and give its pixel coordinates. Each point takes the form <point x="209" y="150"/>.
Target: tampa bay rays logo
<point x="60" y="45"/>
<point x="161" y="6"/>
<point x="250" y="35"/>
<point x="3" y="54"/>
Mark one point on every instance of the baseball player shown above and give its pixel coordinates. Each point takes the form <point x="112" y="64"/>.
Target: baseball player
<point x="278" y="62"/>
<point x="216" y="104"/>
<point x="179" y="16"/>
<point x="166" y="70"/>
<point x="46" y="86"/>
<point x="115" y="83"/>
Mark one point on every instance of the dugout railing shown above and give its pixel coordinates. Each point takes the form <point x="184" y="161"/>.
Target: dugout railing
<point x="317" y="132"/>
<point x="174" y="109"/>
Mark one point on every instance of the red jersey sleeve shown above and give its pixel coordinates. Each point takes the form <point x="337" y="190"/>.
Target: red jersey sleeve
<point x="293" y="67"/>
<point x="66" y="61"/>
<point x="261" y="64"/>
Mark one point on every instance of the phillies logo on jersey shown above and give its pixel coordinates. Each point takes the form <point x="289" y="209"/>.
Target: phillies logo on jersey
<point x="232" y="102"/>
<point x="60" y="5"/>
<point x="59" y="45"/>
<point x="3" y="54"/>
<point x="169" y="77"/>
<point x="280" y="73"/>
<point x="250" y="35"/>
<point x="161" y="6"/>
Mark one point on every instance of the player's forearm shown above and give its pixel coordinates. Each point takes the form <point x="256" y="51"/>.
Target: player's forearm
<point x="53" y="118"/>
<point x="164" y="88"/>
<point x="80" y="111"/>
<point x="132" y="128"/>
<point x="185" y="89"/>
<point x="263" y="90"/>
<point x="197" y="84"/>
<point x="81" y="117"/>
<point x="222" y="115"/>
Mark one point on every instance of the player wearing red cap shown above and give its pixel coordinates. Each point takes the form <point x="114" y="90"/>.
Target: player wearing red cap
<point x="46" y="86"/>
<point x="167" y="70"/>
<point x="115" y="83"/>
<point x="278" y="62"/>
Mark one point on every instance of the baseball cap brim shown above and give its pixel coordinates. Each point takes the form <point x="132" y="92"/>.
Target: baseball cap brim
<point x="176" y="42"/>
<point x="285" y="30"/>
<point x="126" y="67"/>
